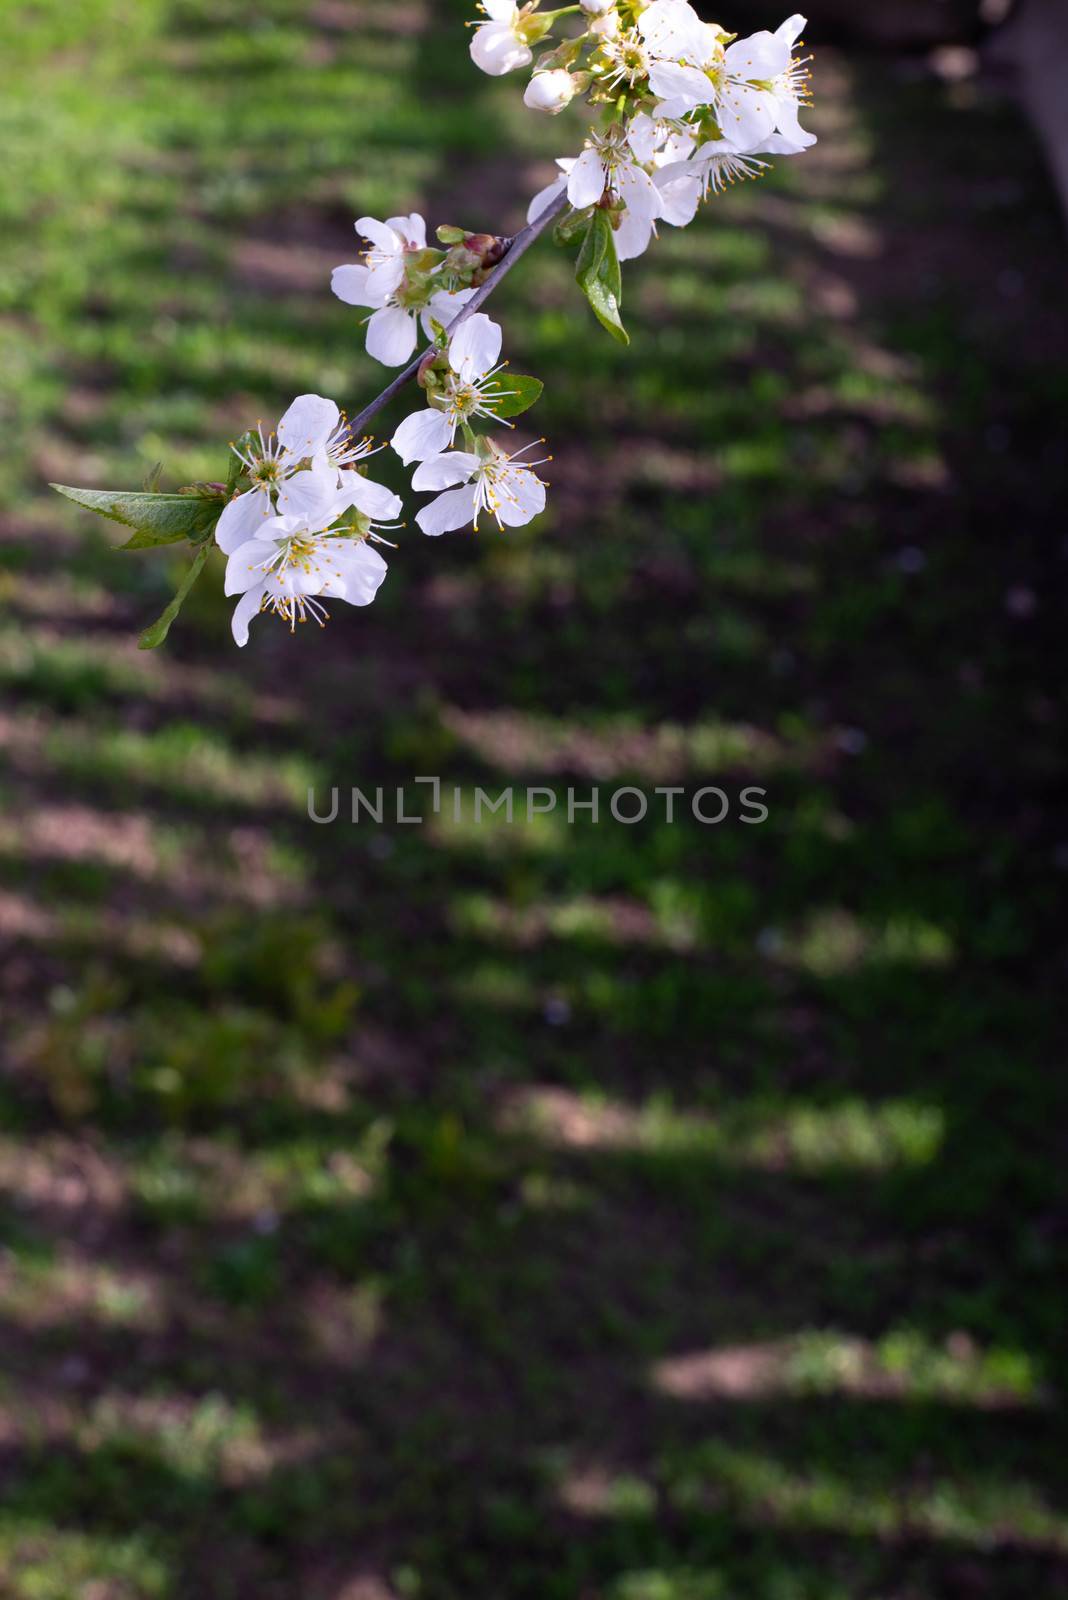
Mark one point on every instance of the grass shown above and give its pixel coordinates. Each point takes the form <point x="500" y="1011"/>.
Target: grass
<point x="542" y="1212"/>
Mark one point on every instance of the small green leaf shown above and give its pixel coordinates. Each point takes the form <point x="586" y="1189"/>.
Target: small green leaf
<point x="154" y="636"/>
<point x="573" y="226"/>
<point x="152" y="478"/>
<point x="450" y="235"/>
<point x="598" y="276"/>
<point x="235" y="466"/>
<point x="510" y="393"/>
<point x="155" y="518"/>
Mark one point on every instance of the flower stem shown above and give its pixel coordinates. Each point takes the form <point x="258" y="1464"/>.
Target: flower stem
<point x="516" y="248"/>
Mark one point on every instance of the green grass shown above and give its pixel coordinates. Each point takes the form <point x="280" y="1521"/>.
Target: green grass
<point x="536" y="1212"/>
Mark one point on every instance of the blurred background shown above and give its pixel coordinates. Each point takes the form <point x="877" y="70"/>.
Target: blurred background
<point x="545" y="1212"/>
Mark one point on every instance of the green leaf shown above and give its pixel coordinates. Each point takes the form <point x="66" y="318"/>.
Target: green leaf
<point x="152" y="478"/>
<point x="573" y="225"/>
<point x="155" y="518"/>
<point x="235" y="466"/>
<point x="510" y="393"/>
<point x="598" y="276"/>
<point x="153" y="637"/>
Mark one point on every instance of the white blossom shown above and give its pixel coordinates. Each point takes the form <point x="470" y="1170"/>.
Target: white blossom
<point x="294" y="564"/>
<point x="672" y="31"/>
<point x="393" y="327"/>
<point x="607" y="26"/>
<point x="491" y="481"/>
<point x="389" y="241"/>
<point x="469" y="392"/>
<point x="610" y="162"/>
<point x="498" y="45"/>
<point x="549" y="91"/>
<point x="718" y="165"/>
<point x="754" y="86"/>
<point x="546" y="196"/>
<point x="597" y="8"/>
<point x="316" y="428"/>
<point x="286" y="472"/>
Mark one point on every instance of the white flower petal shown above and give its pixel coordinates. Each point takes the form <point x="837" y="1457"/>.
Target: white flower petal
<point x="522" y="496"/>
<point x="680" y="186"/>
<point x="307" y="425"/>
<point x="247" y="607"/>
<point x="549" y="91"/>
<point x="586" y="180"/>
<point x="423" y="434"/>
<point x="638" y="191"/>
<point x="497" y="50"/>
<point x="381" y="234"/>
<point x="309" y="494"/>
<point x="391" y="336"/>
<point x="439" y="472"/>
<point x="350" y="284"/>
<point x="785" y="144"/>
<point x="475" y="347"/>
<point x="500" y="10"/>
<point x="685" y="87"/>
<point x="242" y="519"/>
<point x="792" y="135"/>
<point x="545" y="197"/>
<point x="362" y="570"/>
<point x="671" y="28"/>
<point x="644" y="136"/>
<point x="444" y="308"/>
<point x="245" y="567"/>
<point x="373" y="499"/>
<point x="746" y="116"/>
<point x="633" y="236"/>
<point x="383" y="277"/>
<point x="412" y="229"/>
<point x="452" y="510"/>
<point x="760" y="57"/>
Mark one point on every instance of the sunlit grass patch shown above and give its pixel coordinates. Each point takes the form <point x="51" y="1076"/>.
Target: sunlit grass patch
<point x="872" y="1500"/>
<point x="71" y="1288"/>
<point x="186" y="761"/>
<point x="42" y="1560"/>
<point x="904" y="1365"/>
<point x="81" y="853"/>
<point x="206" y="1440"/>
<point x="805" y="1138"/>
<point x="542" y="836"/>
<point x="179" y="1178"/>
<point x="835" y="940"/>
<point x="582" y="918"/>
<point x="609" y="747"/>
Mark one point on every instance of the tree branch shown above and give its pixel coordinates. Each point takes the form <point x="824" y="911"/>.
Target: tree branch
<point x="516" y="248"/>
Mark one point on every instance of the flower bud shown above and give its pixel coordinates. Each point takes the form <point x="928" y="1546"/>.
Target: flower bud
<point x="486" y="246"/>
<point x="432" y="362"/>
<point x="606" y="26"/>
<point x="549" y="91"/>
<point x="596" y="8"/>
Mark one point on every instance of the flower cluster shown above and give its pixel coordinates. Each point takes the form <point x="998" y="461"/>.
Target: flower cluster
<point x="689" y="107"/>
<point x="304" y="527"/>
<point x="682" y="108"/>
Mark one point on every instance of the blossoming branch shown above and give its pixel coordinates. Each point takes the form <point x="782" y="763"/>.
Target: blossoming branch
<point x="681" y="109"/>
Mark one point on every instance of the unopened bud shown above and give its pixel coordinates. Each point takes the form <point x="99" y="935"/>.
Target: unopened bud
<point x="607" y="26"/>
<point x="550" y="91"/>
<point x="425" y="377"/>
<point x="480" y="245"/>
<point x="597" y="8"/>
